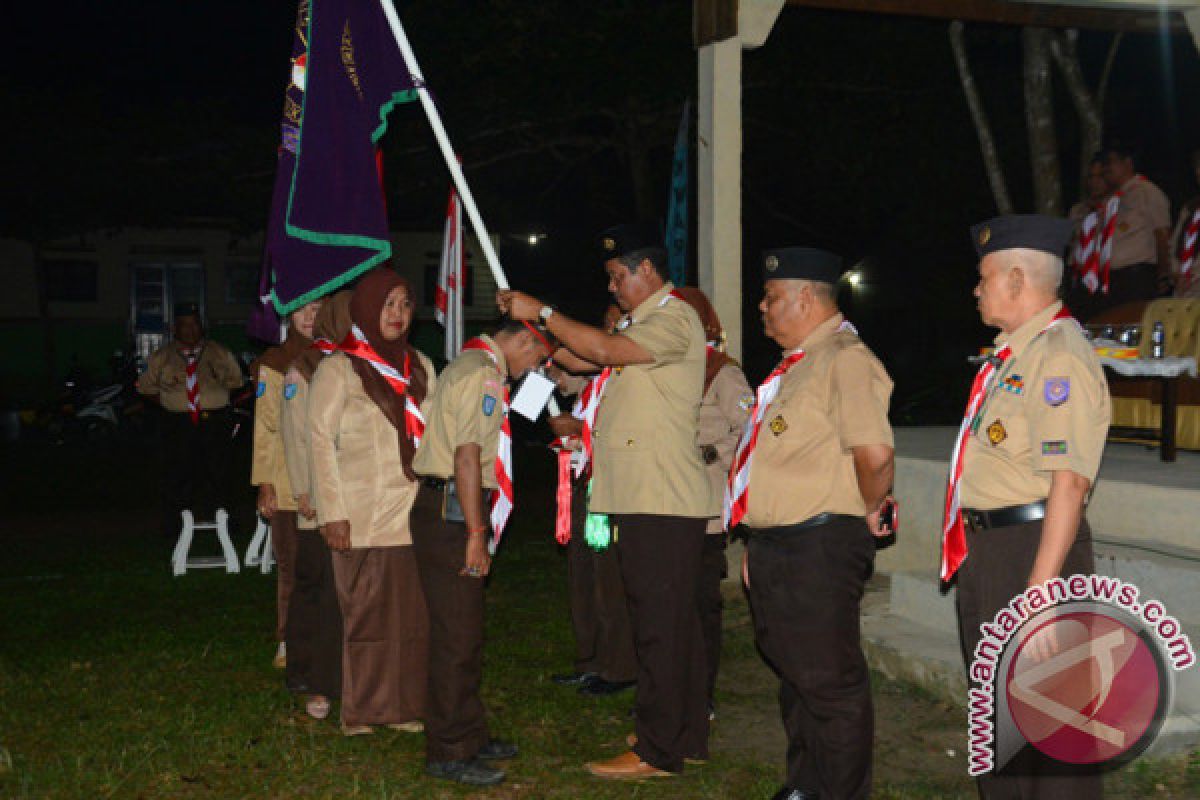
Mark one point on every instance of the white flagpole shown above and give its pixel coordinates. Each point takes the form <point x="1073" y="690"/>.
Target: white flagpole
<point x="439" y="132"/>
<point x="443" y="139"/>
<point x="460" y="285"/>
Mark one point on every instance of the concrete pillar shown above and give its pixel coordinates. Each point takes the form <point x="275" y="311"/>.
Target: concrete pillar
<point x="719" y="188"/>
<point x="1192" y="18"/>
<point x="719" y="158"/>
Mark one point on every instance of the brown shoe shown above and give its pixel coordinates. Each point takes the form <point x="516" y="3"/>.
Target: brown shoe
<point x="626" y="766"/>
<point x="695" y="761"/>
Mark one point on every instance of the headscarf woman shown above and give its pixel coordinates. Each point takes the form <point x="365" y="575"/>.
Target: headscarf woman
<point x="723" y="412"/>
<point x="364" y="425"/>
<point x="268" y="471"/>
<point x="314" y="629"/>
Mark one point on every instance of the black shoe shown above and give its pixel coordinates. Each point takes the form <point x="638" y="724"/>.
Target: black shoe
<point x="601" y="687"/>
<point x="575" y="678"/>
<point x="473" y="772"/>
<point x="787" y="793"/>
<point x="497" y="750"/>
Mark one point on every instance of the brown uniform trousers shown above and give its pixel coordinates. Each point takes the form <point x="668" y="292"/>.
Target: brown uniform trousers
<point x="599" y="613"/>
<point x="806" y="589"/>
<point x="314" y="621"/>
<point x="660" y="566"/>
<point x="283" y="548"/>
<point x="997" y="568"/>
<point x="455" y="725"/>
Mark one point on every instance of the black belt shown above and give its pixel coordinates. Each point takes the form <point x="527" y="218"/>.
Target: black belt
<point x="808" y="524"/>
<point x="437" y="484"/>
<point x="1004" y="517"/>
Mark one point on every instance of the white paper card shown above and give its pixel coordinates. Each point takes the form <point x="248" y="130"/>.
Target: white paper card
<point x="531" y="398"/>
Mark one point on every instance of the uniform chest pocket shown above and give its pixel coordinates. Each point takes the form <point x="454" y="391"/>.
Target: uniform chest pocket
<point x="1004" y="423"/>
<point x="627" y="441"/>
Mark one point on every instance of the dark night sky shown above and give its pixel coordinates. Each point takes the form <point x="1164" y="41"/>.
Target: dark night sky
<point x="856" y="134"/>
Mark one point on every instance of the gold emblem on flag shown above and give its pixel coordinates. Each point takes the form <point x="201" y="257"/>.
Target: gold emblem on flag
<point x="985" y="236"/>
<point x="609" y="243"/>
<point x="996" y="433"/>
<point x="778" y="425"/>
<point x="772" y="263"/>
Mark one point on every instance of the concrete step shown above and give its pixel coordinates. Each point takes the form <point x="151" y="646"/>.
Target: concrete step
<point x="910" y="634"/>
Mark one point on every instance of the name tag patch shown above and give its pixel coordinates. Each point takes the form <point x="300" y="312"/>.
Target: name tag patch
<point x="489" y="405"/>
<point x="289" y="391"/>
<point x="778" y="425"/>
<point x="996" y="433"/>
<point x="261" y="390"/>
<point x="1054" y="448"/>
<point x="1056" y="391"/>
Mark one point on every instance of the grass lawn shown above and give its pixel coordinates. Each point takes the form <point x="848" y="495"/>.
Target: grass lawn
<point x="118" y="680"/>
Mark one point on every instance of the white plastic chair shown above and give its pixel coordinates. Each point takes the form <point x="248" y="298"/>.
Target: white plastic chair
<point x="259" y="553"/>
<point x="181" y="562"/>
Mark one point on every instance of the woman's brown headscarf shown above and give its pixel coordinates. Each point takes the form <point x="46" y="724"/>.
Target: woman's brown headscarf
<point x="333" y="323"/>
<point x="281" y="356"/>
<point x="366" y="306"/>
<point x="713" y="332"/>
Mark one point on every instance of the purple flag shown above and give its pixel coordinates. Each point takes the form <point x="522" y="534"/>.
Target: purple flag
<point x="328" y="220"/>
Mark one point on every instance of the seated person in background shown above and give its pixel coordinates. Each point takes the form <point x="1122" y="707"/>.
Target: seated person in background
<point x="1185" y="242"/>
<point x="1084" y="254"/>
<point x="1140" y="256"/>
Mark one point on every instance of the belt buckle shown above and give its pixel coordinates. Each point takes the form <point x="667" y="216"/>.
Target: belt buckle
<point x="974" y="521"/>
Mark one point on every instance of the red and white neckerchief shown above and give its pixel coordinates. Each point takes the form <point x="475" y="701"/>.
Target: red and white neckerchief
<point x="1108" y="228"/>
<point x="1085" y="256"/>
<point x="356" y="344"/>
<point x="192" y="360"/>
<point x="588" y="401"/>
<point x="504" y="498"/>
<point x="954" y="537"/>
<point x="1187" y="252"/>
<point x="737" y="495"/>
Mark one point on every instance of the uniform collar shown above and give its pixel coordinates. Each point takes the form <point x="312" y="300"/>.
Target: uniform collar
<point x="501" y="363"/>
<point x="1129" y="184"/>
<point x="1025" y="334"/>
<point x="822" y="332"/>
<point x="651" y="302"/>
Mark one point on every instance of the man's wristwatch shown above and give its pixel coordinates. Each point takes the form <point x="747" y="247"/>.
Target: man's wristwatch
<point x="544" y="313"/>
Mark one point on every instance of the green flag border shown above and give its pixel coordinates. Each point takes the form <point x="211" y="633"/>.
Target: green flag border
<point x="383" y="247"/>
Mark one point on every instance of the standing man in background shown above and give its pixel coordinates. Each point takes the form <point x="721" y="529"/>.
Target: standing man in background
<point x="190" y="378"/>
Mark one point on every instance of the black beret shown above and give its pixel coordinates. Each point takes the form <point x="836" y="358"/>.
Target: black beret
<point x="186" y="310"/>
<point x="621" y="240"/>
<point x="801" y="263"/>
<point x="1028" y="231"/>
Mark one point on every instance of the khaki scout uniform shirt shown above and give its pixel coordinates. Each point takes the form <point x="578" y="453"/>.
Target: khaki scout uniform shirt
<point x="297" y="453"/>
<point x="644" y="443"/>
<point x="1047" y="409"/>
<point x="356" y="467"/>
<point x="166" y="376"/>
<point x="269" y="465"/>
<point x="1143" y="209"/>
<point x="467" y="408"/>
<point x="834" y="399"/>
<point x="723" y="414"/>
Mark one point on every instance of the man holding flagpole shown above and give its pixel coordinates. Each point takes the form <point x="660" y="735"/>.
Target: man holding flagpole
<point x="650" y="480"/>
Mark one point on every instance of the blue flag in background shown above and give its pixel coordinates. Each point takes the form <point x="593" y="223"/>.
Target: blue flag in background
<point x="677" y="204"/>
<point x="328" y="221"/>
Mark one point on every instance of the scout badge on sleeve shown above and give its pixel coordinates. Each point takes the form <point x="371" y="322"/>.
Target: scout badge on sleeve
<point x="1056" y="391"/>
